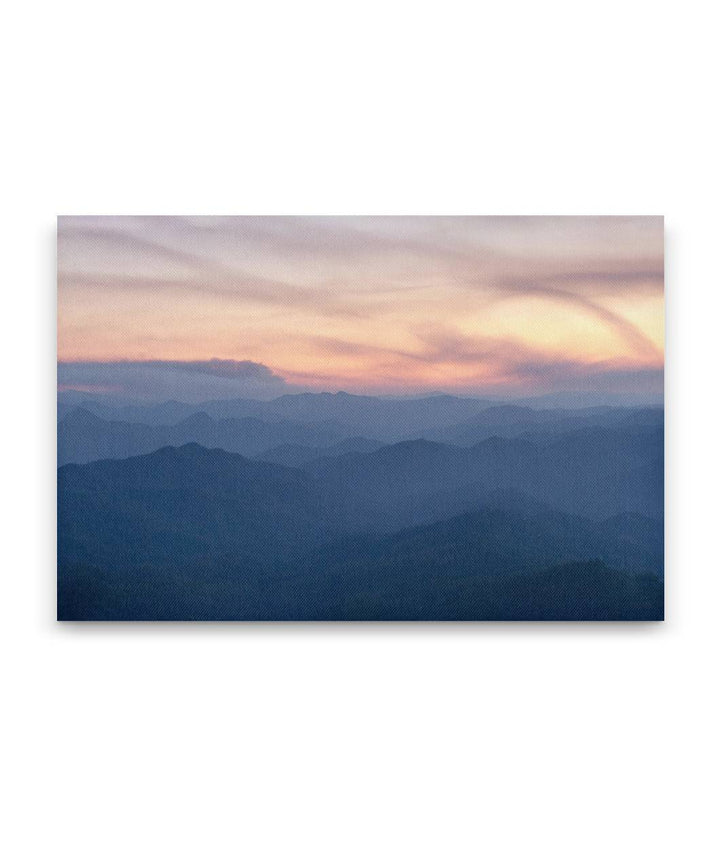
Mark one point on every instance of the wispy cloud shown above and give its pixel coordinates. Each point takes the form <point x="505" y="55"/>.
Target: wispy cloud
<point x="397" y="300"/>
<point x="631" y="333"/>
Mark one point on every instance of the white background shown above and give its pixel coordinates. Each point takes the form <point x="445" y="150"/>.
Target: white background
<point x="359" y="739"/>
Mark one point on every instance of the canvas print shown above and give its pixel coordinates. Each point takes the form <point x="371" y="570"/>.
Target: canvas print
<point x="360" y="418"/>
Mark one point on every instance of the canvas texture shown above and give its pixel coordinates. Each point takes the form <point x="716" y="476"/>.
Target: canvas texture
<point x="360" y="418"/>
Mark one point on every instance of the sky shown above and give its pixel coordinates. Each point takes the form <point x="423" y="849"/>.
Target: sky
<point x="195" y="308"/>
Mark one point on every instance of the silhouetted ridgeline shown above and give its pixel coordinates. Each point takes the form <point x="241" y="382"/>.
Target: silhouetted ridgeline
<point x="92" y="431"/>
<point x="355" y="507"/>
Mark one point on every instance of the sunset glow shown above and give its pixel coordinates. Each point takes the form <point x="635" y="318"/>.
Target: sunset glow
<point x="516" y="305"/>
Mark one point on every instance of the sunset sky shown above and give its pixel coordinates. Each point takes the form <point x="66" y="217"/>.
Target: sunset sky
<point x="193" y="307"/>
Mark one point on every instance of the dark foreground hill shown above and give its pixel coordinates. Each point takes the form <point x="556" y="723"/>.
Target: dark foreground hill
<point x="179" y="506"/>
<point x="196" y="533"/>
<point x="578" y="591"/>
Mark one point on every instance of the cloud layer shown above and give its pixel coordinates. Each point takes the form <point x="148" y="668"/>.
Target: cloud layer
<point x="389" y="304"/>
<point x="162" y="380"/>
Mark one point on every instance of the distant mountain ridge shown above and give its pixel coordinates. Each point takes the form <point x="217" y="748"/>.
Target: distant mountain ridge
<point x="363" y="411"/>
<point x="86" y="435"/>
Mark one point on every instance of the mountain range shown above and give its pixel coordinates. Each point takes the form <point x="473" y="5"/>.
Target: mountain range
<point x="537" y="525"/>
